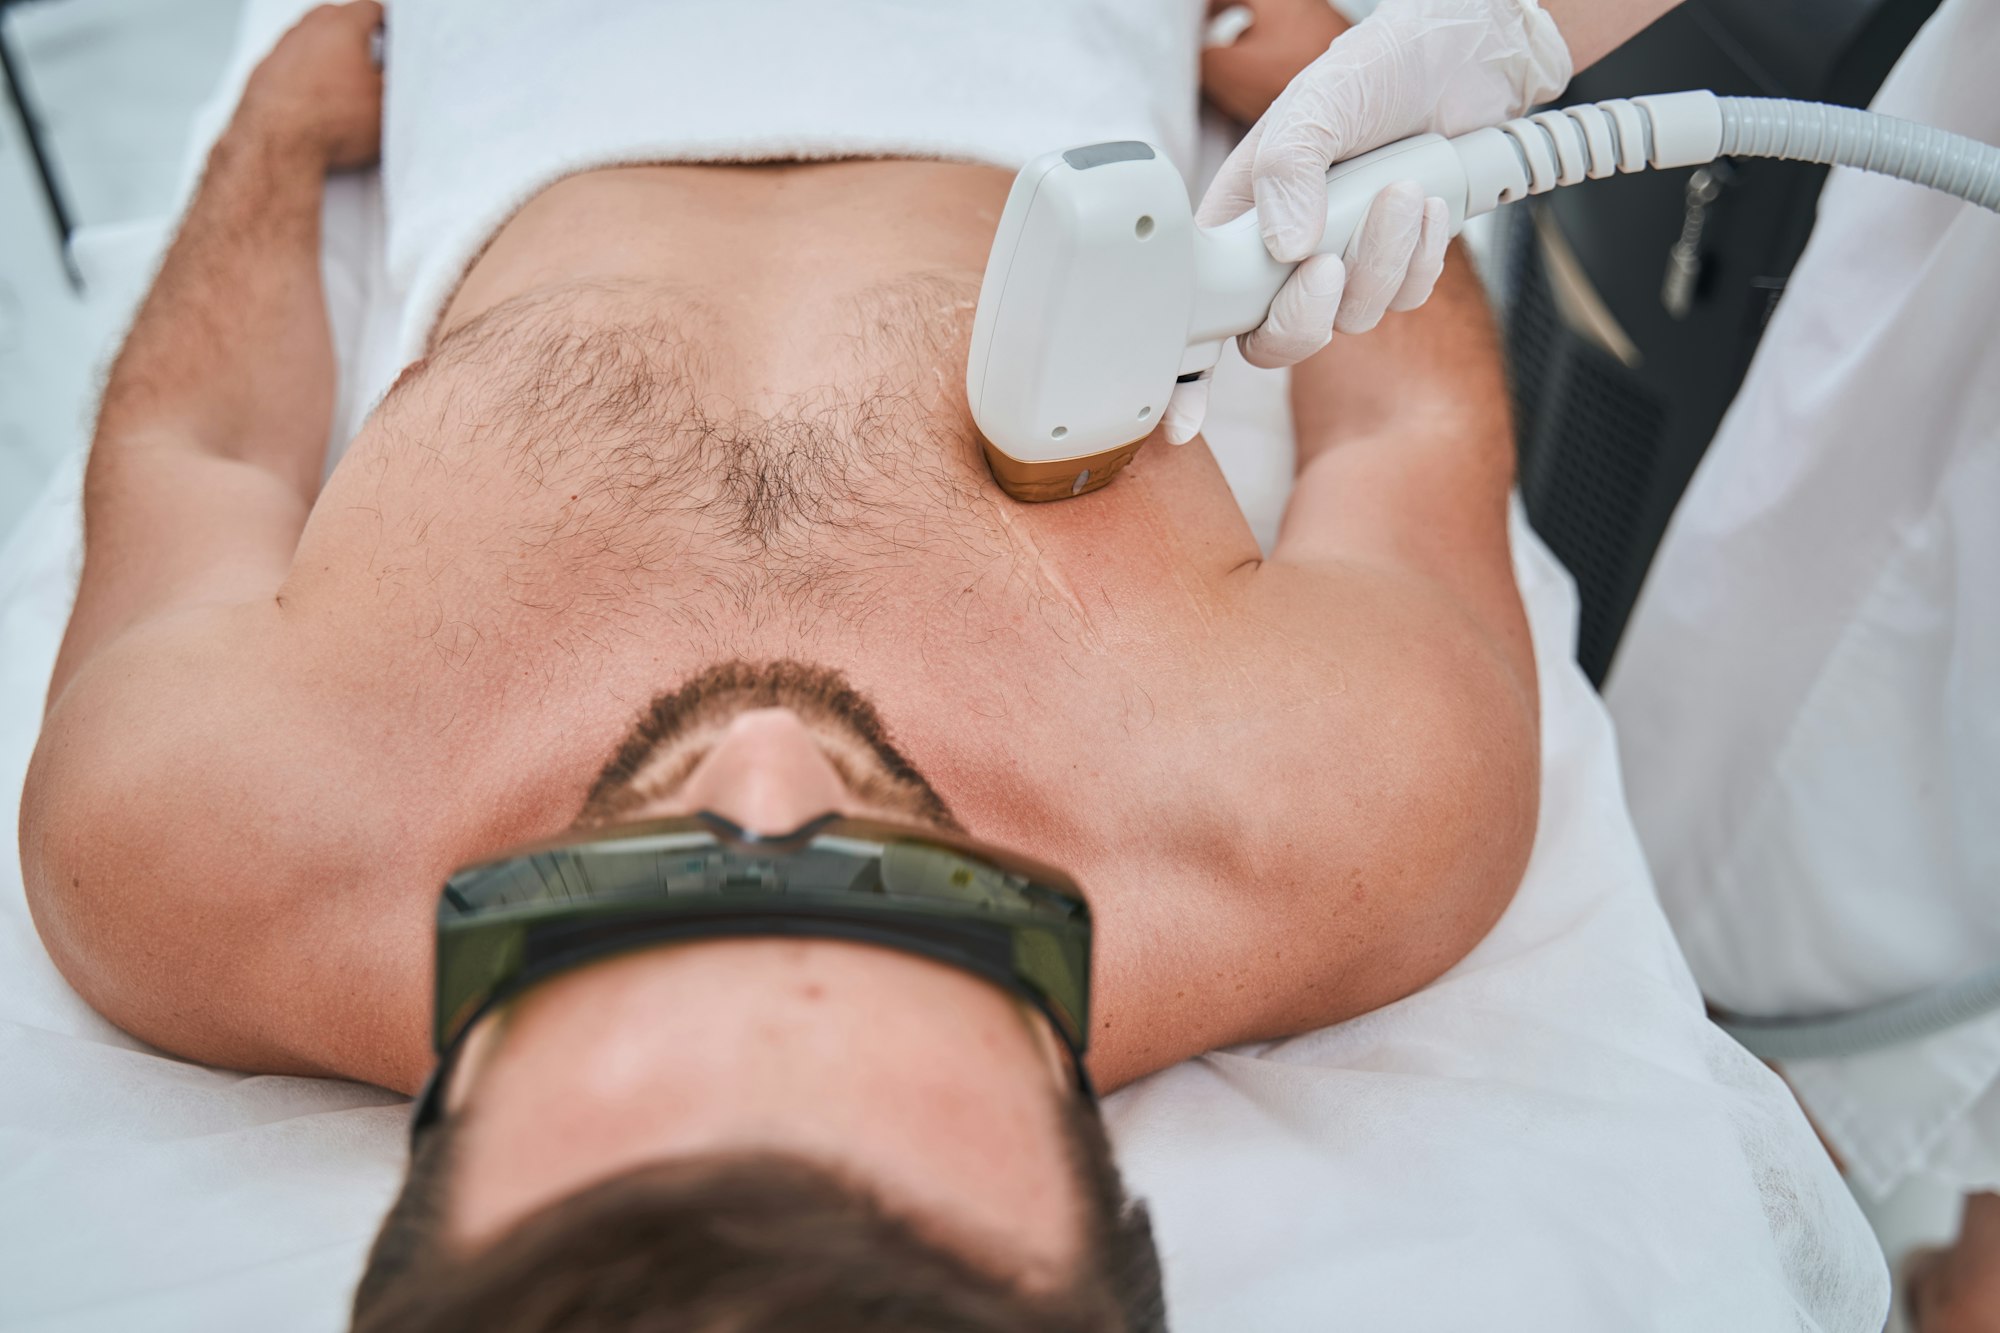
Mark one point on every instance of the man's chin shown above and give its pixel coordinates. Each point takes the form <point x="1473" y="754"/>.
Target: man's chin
<point x="666" y="742"/>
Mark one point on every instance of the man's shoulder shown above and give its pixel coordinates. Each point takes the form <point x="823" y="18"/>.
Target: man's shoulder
<point x="183" y="811"/>
<point x="172" y="756"/>
<point x="1377" y="712"/>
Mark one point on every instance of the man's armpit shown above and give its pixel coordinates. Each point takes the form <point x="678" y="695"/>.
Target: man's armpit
<point x="169" y="530"/>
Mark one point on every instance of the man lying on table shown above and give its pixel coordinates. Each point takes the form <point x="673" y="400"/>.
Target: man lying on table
<point x="677" y="549"/>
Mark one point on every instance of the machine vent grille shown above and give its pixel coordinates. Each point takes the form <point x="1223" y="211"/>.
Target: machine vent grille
<point x="1589" y="438"/>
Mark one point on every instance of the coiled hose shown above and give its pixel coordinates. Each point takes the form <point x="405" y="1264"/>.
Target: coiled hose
<point x="1538" y="153"/>
<point x="1891" y="1023"/>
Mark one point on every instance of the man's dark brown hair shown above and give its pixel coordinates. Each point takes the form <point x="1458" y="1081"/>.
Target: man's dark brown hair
<point x="745" y="1244"/>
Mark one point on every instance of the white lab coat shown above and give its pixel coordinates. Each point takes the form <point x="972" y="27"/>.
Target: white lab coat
<point x="1809" y="692"/>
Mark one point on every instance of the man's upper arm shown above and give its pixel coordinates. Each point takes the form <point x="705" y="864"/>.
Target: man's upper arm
<point x="211" y="435"/>
<point x="1406" y="458"/>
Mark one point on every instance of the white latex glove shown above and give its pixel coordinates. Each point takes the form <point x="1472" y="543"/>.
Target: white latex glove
<point x="1413" y="66"/>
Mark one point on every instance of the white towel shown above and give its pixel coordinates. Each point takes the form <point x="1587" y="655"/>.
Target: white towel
<point x="491" y="101"/>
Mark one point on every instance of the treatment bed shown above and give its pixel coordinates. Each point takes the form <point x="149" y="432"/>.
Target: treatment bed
<point x="1551" y="1136"/>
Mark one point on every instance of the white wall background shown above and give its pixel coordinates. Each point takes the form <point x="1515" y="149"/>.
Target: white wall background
<point x="115" y="83"/>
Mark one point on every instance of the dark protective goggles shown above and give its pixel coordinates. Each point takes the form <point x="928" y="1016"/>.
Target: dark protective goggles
<point x="507" y="924"/>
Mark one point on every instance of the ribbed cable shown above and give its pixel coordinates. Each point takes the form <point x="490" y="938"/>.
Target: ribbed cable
<point x="1589" y="140"/>
<point x="1839" y="135"/>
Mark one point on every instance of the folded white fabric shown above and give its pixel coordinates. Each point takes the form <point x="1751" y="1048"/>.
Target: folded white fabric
<point x="512" y="95"/>
<point x="1551" y="1137"/>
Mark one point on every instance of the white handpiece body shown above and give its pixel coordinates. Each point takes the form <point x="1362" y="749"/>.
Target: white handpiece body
<point x="1235" y="275"/>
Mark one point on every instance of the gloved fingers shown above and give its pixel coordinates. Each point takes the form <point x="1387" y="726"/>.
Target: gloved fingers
<point x="1181" y="421"/>
<point x="1228" y="195"/>
<point x="1378" y="257"/>
<point x="1301" y="318"/>
<point x="1411" y="65"/>
<point x="1226" y="23"/>
<point x="1288" y="182"/>
<point x="1344" y="103"/>
<point x="1428" y="262"/>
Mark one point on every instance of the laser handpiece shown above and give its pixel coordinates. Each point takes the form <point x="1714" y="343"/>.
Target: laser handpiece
<point x="1100" y="292"/>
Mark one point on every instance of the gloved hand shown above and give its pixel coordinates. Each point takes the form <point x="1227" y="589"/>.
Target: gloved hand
<point x="1444" y="66"/>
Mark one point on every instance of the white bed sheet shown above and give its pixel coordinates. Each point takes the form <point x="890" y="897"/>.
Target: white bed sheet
<point x="1550" y="1137"/>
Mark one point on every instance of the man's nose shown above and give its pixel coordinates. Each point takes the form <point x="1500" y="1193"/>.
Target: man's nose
<point x="767" y="774"/>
